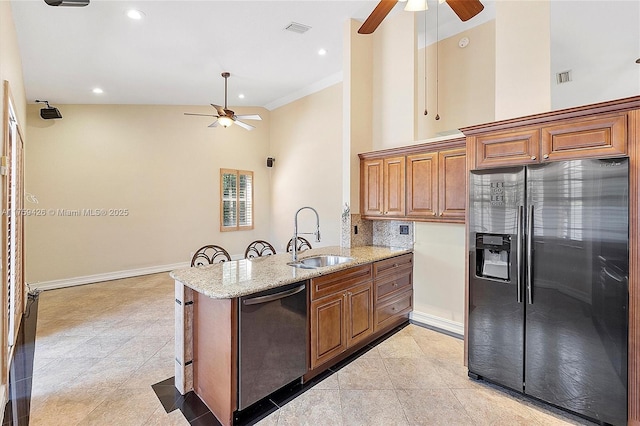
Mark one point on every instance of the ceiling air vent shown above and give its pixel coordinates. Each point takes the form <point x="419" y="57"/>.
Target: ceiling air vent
<point x="297" y="28"/>
<point x="563" y="77"/>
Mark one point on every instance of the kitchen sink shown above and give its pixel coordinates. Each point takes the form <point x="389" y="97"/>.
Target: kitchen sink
<point x="319" y="261"/>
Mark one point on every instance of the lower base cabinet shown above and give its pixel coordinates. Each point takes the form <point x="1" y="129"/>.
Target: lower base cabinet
<point x="351" y="307"/>
<point x="341" y="319"/>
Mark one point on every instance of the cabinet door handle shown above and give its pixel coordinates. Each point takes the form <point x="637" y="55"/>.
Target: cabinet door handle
<point x="395" y="284"/>
<point x="533" y="157"/>
<point x="395" y="265"/>
<point x="440" y="214"/>
<point x="393" y="308"/>
<point x="435" y="214"/>
<point x="349" y="293"/>
<point x="545" y="156"/>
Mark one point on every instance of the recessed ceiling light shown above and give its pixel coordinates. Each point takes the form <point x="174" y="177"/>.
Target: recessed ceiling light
<point x="135" y="14"/>
<point x="322" y="52"/>
<point x="97" y="91"/>
<point x="241" y="96"/>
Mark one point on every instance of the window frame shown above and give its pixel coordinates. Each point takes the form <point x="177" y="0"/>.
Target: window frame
<point x="237" y="226"/>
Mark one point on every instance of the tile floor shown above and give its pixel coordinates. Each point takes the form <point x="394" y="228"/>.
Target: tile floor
<point x="100" y="347"/>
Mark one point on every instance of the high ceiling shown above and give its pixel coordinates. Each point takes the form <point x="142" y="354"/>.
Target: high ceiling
<point x="176" y="53"/>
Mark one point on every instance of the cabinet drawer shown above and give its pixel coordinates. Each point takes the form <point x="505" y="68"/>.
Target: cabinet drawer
<point x="339" y="281"/>
<point x="393" y="283"/>
<point x="392" y="265"/>
<point x="388" y="312"/>
<point x="598" y="137"/>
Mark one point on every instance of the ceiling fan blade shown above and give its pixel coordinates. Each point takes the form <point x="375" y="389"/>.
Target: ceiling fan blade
<point x="379" y="13"/>
<point x="466" y="9"/>
<point x="244" y="125"/>
<point x="219" y="109"/>
<point x="203" y="115"/>
<point x="214" y="124"/>
<point x="249" y="117"/>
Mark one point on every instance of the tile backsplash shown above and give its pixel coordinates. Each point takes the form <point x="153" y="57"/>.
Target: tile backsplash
<point x="375" y="232"/>
<point x="387" y="233"/>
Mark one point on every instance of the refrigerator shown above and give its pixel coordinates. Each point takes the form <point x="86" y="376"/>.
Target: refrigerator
<point x="548" y="283"/>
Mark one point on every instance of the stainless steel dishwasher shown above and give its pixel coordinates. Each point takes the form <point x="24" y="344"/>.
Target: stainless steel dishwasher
<point x="272" y="341"/>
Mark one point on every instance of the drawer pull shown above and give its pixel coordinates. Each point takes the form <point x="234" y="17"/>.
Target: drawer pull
<point x="395" y="265"/>
<point x="393" y="308"/>
<point x="395" y="284"/>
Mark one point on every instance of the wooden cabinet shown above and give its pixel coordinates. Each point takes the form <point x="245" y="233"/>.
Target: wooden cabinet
<point x="435" y="181"/>
<point x="372" y="187"/>
<point x="341" y="312"/>
<point x="383" y="183"/>
<point x="422" y="184"/>
<point x="603" y="136"/>
<point x="452" y="183"/>
<point x="348" y="308"/>
<point x="503" y="149"/>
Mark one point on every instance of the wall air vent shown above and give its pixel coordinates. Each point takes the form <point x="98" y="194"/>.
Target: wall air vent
<point x="297" y="28"/>
<point x="563" y="77"/>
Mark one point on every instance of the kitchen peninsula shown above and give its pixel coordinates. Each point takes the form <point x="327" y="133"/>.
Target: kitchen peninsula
<point x="339" y="309"/>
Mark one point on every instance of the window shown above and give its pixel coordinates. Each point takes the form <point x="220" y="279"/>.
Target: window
<point x="236" y="200"/>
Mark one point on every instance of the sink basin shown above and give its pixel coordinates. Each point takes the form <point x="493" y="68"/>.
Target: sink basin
<point x="319" y="261"/>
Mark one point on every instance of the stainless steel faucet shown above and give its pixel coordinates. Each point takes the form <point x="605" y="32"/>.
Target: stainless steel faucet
<point x="295" y="231"/>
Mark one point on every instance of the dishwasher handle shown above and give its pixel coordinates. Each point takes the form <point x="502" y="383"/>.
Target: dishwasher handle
<point x="272" y="297"/>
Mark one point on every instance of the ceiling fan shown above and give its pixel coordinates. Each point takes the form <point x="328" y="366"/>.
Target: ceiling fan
<point x="225" y="117"/>
<point x="465" y="9"/>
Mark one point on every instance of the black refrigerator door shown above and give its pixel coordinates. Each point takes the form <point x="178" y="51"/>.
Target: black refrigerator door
<point x="496" y="314"/>
<point x="576" y="326"/>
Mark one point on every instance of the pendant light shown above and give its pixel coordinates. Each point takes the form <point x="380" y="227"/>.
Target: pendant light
<point x="425" y="63"/>
<point x="437" y="59"/>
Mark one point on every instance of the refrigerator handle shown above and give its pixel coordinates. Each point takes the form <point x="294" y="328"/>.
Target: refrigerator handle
<point x="530" y="255"/>
<point x="519" y="252"/>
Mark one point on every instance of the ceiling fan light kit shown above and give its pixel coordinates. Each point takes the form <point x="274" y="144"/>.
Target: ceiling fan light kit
<point x="225" y="116"/>
<point x="416" y="5"/>
<point x="225" y="121"/>
<point x="465" y="9"/>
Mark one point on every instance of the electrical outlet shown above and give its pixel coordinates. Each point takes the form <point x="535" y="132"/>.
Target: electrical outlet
<point x="404" y="229"/>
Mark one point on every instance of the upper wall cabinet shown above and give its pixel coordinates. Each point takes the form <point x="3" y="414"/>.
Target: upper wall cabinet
<point x="384" y="187"/>
<point x="603" y="136"/>
<point x="425" y="182"/>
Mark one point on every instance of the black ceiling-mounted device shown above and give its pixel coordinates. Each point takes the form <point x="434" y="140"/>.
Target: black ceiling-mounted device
<point x="72" y="3"/>
<point x="49" y="113"/>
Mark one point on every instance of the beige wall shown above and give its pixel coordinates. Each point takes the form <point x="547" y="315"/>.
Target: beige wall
<point x="466" y="82"/>
<point x="152" y="160"/>
<point x="439" y="253"/>
<point x="394" y="89"/>
<point x="306" y="141"/>
<point x="11" y="64"/>
<point x="523" y="58"/>
<point x="357" y="89"/>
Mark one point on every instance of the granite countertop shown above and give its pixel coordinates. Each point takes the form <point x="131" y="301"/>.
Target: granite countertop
<point x="247" y="276"/>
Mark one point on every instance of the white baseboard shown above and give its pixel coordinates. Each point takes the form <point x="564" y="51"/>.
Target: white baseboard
<point x="108" y="276"/>
<point x="437" y="322"/>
